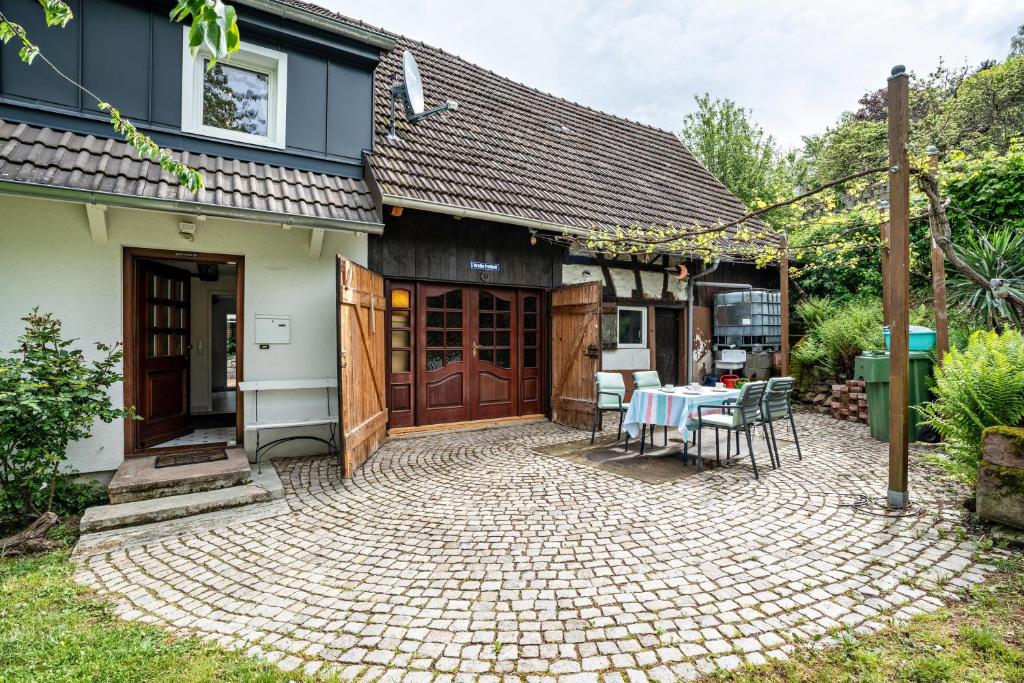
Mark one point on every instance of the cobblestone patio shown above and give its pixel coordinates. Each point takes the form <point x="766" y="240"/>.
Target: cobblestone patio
<point x="471" y="556"/>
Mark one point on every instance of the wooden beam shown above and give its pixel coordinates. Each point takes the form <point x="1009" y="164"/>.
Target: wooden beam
<point x="639" y="291"/>
<point x="316" y="242"/>
<point x="784" y="302"/>
<point x="898" y="495"/>
<point x="96" y="214"/>
<point x="938" y="274"/>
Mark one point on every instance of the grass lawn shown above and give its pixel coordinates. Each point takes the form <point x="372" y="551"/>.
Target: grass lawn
<point x="980" y="638"/>
<point x="53" y="630"/>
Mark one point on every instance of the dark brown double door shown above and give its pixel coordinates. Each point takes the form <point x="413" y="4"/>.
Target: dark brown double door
<point x="461" y="353"/>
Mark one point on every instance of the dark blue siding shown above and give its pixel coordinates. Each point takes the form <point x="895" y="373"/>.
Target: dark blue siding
<point x="347" y="88"/>
<point x="62" y="48"/>
<point x="115" y="55"/>
<point x="307" y="115"/>
<point x="165" y="95"/>
<point x="130" y="54"/>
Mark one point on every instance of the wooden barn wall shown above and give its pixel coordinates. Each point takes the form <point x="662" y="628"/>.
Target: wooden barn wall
<point x="429" y="246"/>
<point x="741" y="273"/>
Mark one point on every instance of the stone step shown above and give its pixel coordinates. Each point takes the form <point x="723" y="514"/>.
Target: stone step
<point x="137" y="479"/>
<point x="264" y="487"/>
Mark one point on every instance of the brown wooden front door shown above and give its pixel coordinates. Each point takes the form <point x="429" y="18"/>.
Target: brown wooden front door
<point x="163" y="300"/>
<point x="361" y="366"/>
<point x="443" y="354"/>
<point x="575" y="352"/>
<point x="494" y="359"/>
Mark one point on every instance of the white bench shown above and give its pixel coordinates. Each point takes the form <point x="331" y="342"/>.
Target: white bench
<point x="259" y="426"/>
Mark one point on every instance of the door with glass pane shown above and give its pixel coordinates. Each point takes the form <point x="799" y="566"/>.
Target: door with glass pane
<point x="531" y="353"/>
<point x="494" y="389"/>
<point x="400" y="359"/>
<point x="164" y="297"/>
<point x="442" y="354"/>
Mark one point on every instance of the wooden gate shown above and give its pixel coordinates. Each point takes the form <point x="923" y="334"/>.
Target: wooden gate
<point x="361" y="368"/>
<point x="575" y="352"/>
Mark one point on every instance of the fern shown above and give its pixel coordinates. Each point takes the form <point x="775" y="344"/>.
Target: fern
<point x="977" y="387"/>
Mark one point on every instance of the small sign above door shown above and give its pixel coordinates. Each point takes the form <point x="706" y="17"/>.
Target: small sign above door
<point x="480" y="265"/>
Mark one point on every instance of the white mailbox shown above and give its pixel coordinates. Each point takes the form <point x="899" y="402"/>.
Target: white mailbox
<point x="272" y="329"/>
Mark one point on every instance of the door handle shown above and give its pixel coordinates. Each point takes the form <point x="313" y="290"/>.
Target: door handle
<point x="475" y="347"/>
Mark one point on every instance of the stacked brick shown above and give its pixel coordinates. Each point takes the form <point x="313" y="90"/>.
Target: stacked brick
<point x="850" y="401"/>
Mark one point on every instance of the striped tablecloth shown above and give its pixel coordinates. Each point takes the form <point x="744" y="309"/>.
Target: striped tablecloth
<point x="654" y="406"/>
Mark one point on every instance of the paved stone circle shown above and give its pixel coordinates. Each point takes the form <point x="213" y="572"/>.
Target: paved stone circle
<point x="471" y="556"/>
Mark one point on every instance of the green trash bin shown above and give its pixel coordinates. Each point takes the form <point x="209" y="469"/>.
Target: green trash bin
<point x="873" y="368"/>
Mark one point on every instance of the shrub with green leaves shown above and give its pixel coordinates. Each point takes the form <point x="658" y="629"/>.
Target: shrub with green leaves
<point x="979" y="386"/>
<point x="836" y="333"/>
<point x="50" y="396"/>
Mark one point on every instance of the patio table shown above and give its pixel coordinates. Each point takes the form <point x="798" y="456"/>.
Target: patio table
<point x="675" y="408"/>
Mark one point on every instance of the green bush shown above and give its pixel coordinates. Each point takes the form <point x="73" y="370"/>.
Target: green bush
<point x="979" y="386"/>
<point x="836" y="333"/>
<point x="50" y="396"/>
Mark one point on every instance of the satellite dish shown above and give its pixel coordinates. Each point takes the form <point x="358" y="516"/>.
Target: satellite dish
<point x="411" y="92"/>
<point x="413" y="86"/>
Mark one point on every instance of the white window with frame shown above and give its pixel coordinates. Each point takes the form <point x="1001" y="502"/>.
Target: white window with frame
<point x="632" y="327"/>
<point x="242" y="98"/>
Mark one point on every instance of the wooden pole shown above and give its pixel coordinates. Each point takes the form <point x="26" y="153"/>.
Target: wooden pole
<point x="784" y="301"/>
<point x="899" y="286"/>
<point x="938" y="274"/>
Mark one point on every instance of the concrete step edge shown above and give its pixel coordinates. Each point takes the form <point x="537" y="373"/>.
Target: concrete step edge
<point x="120" y="515"/>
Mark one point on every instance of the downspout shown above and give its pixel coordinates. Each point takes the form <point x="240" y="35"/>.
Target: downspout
<point x="689" y="315"/>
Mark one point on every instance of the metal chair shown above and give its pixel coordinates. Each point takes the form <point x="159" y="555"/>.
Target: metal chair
<point x="648" y="379"/>
<point x="611" y="390"/>
<point x="776" y="404"/>
<point x="741" y="416"/>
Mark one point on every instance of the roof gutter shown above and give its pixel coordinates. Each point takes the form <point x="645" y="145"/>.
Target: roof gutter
<point x="20" y="189"/>
<point x="480" y="214"/>
<point x="319" y="21"/>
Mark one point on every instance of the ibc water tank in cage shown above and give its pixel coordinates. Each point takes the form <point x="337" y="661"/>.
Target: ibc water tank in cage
<point x="750" y="319"/>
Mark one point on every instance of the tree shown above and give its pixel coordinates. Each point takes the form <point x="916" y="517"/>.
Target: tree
<point x="1017" y="43"/>
<point x="987" y="112"/>
<point x="736" y="150"/>
<point x="214" y="26"/>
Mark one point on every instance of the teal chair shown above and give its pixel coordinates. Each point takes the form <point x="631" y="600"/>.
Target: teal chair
<point x="743" y="416"/>
<point x="611" y="392"/>
<point x="648" y="379"/>
<point x="776" y="404"/>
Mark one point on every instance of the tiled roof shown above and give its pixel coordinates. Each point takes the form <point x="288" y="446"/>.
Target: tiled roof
<point x="514" y="150"/>
<point x="35" y="155"/>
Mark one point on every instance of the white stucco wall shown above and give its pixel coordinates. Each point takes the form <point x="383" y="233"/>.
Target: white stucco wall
<point x="47" y="259"/>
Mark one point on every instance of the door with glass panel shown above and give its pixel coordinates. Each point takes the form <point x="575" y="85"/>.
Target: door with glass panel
<point x="163" y="299"/>
<point x="493" y="387"/>
<point x="442" y="354"/>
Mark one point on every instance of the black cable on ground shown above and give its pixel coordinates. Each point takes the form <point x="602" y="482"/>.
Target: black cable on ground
<point x="879" y="506"/>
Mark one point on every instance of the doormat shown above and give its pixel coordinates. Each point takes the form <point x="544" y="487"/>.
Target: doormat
<point x="190" y="457"/>
<point x="658" y="465"/>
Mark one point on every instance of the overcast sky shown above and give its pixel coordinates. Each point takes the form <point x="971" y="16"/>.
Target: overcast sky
<point x="796" y="64"/>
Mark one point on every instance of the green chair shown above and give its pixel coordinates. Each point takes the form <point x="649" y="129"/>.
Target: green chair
<point x="741" y="416"/>
<point x="611" y="391"/>
<point x="648" y="379"/>
<point x="776" y="404"/>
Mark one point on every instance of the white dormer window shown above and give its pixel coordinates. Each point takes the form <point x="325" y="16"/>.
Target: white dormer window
<point x="242" y="98"/>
